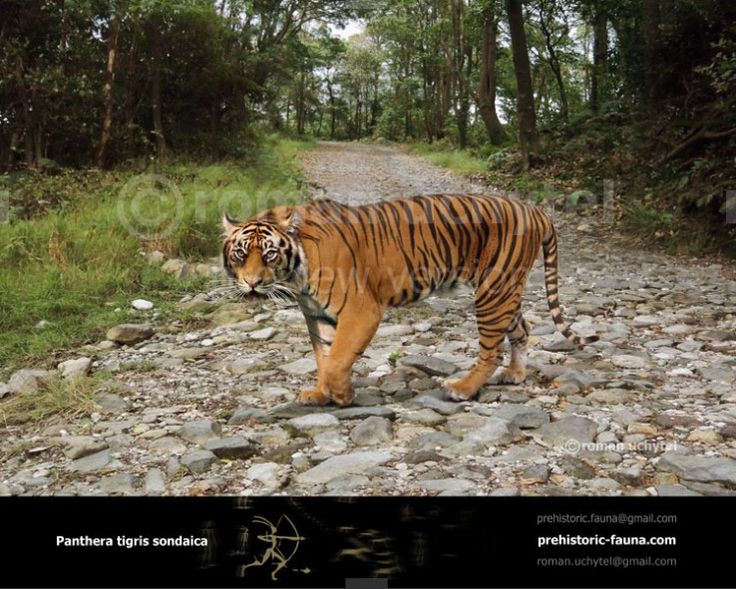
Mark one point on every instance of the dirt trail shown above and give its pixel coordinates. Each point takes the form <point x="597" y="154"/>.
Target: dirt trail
<point x="650" y="409"/>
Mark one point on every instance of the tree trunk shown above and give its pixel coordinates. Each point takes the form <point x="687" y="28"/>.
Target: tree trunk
<point x="599" y="79"/>
<point x="112" y="49"/>
<point x="487" y="89"/>
<point x="554" y="62"/>
<point x="158" y="127"/>
<point x="650" y="36"/>
<point x="528" y="139"/>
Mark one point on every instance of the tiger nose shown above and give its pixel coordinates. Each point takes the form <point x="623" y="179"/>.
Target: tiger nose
<point x="253" y="282"/>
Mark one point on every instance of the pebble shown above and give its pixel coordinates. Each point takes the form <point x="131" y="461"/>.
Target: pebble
<point x="142" y="305"/>
<point x="199" y="462"/>
<point x="372" y="431"/>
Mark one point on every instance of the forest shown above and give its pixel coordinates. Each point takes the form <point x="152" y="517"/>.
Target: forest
<point x="593" y="89"/>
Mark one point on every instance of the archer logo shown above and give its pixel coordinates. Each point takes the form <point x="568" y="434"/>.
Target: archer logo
<point x="275" y="544"/>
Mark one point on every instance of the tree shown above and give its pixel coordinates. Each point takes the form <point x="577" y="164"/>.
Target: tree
<point x="528" y="138"/>
<point x="487" y="81"/>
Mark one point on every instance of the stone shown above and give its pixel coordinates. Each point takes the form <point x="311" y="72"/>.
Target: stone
<point x="268" y="474"/>
<point x="419" y="456"/>
<point x="494" y="431"/>
<point x="92" y="462"/>
<point x="704" y="436"/>
<point x="668" y="421"/>
<point x="575" y="467"/>
<point x="72" y="369"/>
<point x="141" y="305"/>
<point x="229" y="314"/>
<point x="629" y="361"/>
<point x="155" y="257"/>
<point x="611" y="396"/>
<point x="199" y="462"/>
<point x="463" y="423"/>
<point x="4" y="389"/>
<point x="372" y="431"/>
<point x="262" y="334"/>
<point x="429" y="365"/>
<point x="344" y="464"/>
<point x="235" y="448"/>
<point x="442" y="407"/>
<point x="245" y="415"/>
<point x="522" y="416"/>
<point x="167" y="445"/>
<point x="76" y="447"/>
<point x="363" y="412"/>
<point x="154" y="483"/>
<point x="427" y="417"/>
<point x="559" y="433"/>
<point x="130" y="333"/>
<point x="331" y="441"/>
<point x="111" y="403"/>
<point x="314" y="422"/>
<point x="675" y="491"/>
<point x="300" y="367"/>
<point x="699" y="468"/>
<point x="245" y="365"/>
<point x="179" y="269"/>
<point x="536" y="473"/>
<point x="504" y="492"/>
<point x="388" y="331"/>
<point x="119" y="483"/>
<point x="30" y="381"/>
<point x="200" y="432"/>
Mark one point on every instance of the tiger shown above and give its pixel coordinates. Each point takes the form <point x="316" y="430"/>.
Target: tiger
<point x="345" y="265"/>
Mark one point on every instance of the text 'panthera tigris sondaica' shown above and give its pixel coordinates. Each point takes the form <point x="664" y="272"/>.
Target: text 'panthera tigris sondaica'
<point x="345" y="264"/>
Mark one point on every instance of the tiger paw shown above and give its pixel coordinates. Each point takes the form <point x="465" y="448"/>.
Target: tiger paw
<point x="312" y="397"/>
<point x="461" y="390"/>
<point x="510" y="376"/>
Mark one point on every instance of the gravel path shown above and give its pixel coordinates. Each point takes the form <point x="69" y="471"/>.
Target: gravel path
<point x="648" y="410"/>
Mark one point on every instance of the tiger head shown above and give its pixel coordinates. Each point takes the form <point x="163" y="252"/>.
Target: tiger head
<point x="262" y="253"/>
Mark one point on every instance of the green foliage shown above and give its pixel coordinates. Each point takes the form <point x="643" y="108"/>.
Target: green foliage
<point x="78" y="266"/>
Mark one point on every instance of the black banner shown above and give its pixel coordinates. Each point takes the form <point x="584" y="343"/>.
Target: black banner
<point x="367" y="542"/>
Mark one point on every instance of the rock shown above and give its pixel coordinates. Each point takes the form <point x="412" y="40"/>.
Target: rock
<point x="629" y="361"/>
<point x="200" y="432"/>
<point x="235" y="448"/>
<point x="344" y="464"/>
<point x="447" y="486"/>
<point x="429" y="365"/>
<point x="245" y="415"/>
<point x="118" y="484"/>
<point x="388" y="331"/>
<point x="668" y="421"/>
<point x="372" y="431"/>
<point x="419" y="456"/>
<point x="155" y="257"/>
<point x="426" y="417"/>
<point x="179" y="269"/>
<point x="300" y="367"/>
<point x="363" y="412"/>
<point x="728" y="431"/>
<point x="559" y="433"/>
<point x="493" y="432"/>
<point x="631" y="476"/>
<point x="4" y="389"/>
<point x="699" y="468"/>
<point x="331" y="441"/>
<point x="167" y="445"/>
<point x="142" y="305"/>
<point x="245" y="365"/>
<point x="558" y="343"/>
<point x="92" y="462"/>
<point x="228" y="314"/>
<point x="504" y="492"/>
<point x="29" y="381"/>
<point x="154" y="483"/>
<point x="367" y="398"/>
<point x="314" y="422"/>
<point x="463" y="423"/>
<point x="268" y="474"/>
<point x="611" y="396"/>
<point x="199" y="462"/>
<point x="442" y="407"/>
<point x="522" y="416"/>
<point x="111" y="403"/>
<point x="130" y="333"/>
<point x="72" y="369"/>
<point x="704" y="436"/>
<point x="76" y="447"/>
<point x="262" y="334"/>
<point x="576" y="468"/>
<point x="536" y="473"/>
<point x="675" y="491"/>
<point x="722" y="373"/>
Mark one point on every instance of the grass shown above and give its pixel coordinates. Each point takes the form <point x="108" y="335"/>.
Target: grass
<point x="461" y="161"/>
<point x="66" y="398"/>
<point x="78" y="263"/>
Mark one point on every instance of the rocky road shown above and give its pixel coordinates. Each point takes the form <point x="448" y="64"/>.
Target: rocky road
<point x="650" y="409"/>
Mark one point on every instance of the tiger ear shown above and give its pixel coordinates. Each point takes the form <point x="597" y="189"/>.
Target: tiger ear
<point x="292" y="227"/>
<point x="228" y="224"/>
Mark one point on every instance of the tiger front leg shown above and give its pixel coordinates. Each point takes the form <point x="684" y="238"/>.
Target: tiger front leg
<point x="321" y="330"/>
<point x="357" y="326"/>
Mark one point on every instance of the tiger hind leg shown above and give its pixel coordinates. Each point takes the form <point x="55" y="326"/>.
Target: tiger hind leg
<point x="518" y="336"/>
